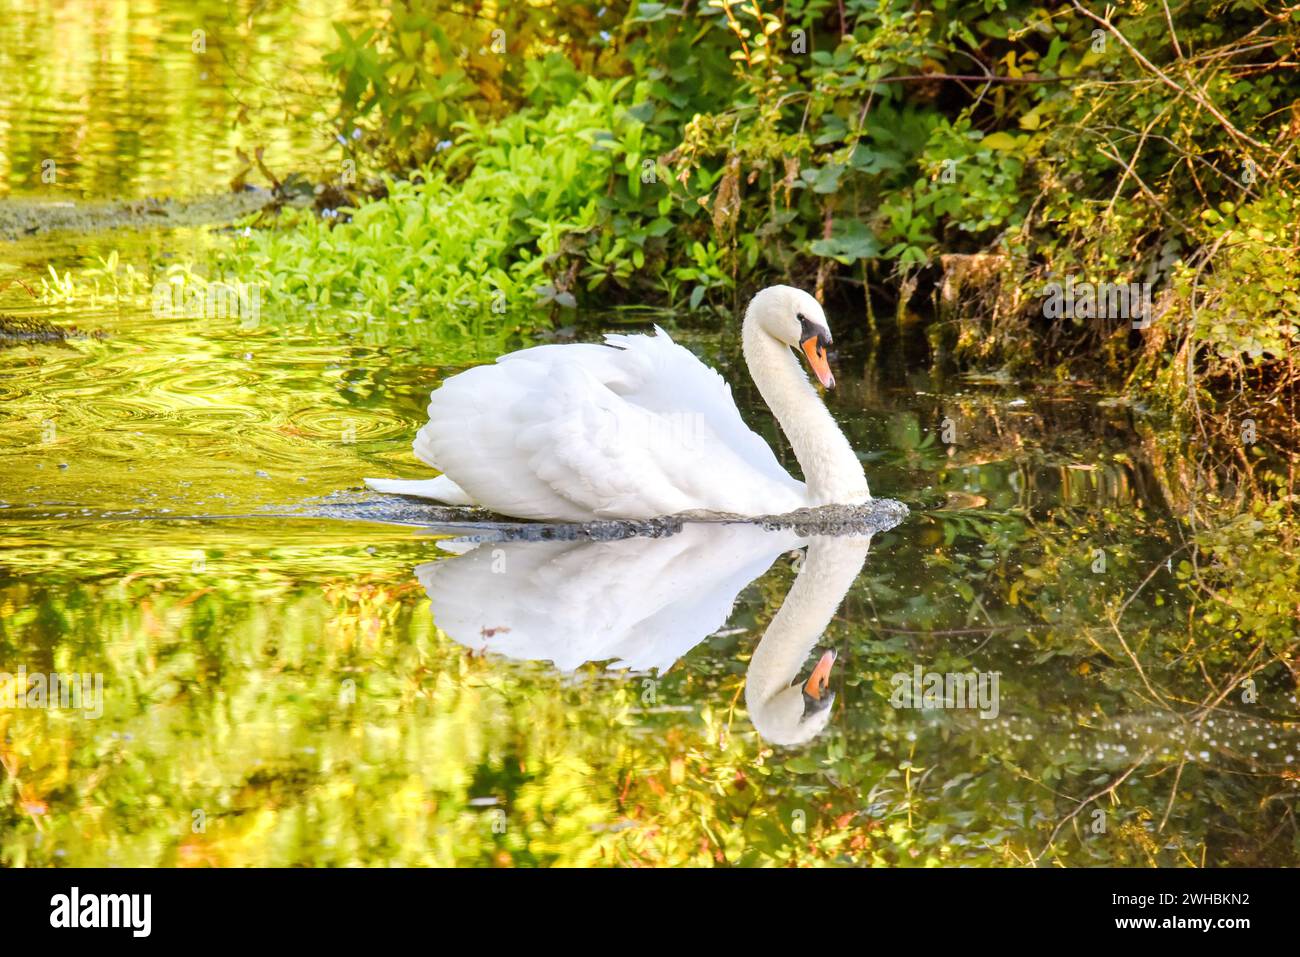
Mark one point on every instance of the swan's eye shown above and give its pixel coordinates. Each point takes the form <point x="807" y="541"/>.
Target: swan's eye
<point x="808" y="329"/>
<point x="811" y="330"/>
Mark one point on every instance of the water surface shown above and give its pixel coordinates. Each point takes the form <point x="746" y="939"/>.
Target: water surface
<point x="288" y="681"/>
<point x="132" y="98"/>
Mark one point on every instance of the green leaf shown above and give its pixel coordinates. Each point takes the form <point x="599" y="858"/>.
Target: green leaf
<point x="1000" y="141"/>
<point x="850" y="241"/>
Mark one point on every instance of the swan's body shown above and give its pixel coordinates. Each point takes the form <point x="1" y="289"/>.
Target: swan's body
<point x="642" y="603"/>
<point x="638" y="428"/>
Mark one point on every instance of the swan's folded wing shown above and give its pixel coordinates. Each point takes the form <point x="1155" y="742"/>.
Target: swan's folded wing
<point x="620" y="456"/>
<point x="475" y="422"/>
<point x="612" y="456"/>
<point x="671" y="380"/>
<point x="636" y="429"/>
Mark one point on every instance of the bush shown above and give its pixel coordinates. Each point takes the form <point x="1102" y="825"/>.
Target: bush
<point x="448" y="245"/>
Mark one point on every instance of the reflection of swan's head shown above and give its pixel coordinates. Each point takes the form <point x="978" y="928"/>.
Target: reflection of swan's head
<point x="794" y="318"/>
<point x="784" y="710"/>
<point x="796" y="713"/>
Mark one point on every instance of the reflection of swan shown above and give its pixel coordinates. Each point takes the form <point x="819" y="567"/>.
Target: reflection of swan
<point x="642" y="603"/>
<point x="784" y="713"/>
<point x="638" y="427"/>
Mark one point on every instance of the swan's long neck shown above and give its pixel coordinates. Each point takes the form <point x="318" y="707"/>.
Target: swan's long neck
<point x="828" y="571"/>
<point x="831" y="470"/>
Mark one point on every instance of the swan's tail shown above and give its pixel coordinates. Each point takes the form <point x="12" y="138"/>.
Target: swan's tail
<point x="440" y="489"/>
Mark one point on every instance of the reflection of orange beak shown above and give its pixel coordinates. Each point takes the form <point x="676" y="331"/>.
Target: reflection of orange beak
<point x="812" y="348"/>
<point x="820" y="679"/>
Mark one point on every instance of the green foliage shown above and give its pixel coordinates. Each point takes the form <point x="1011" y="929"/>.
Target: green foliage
<point x="1257" y="276"/>
<point x="492" y="230"/>
<point x="816" y="136"/>
<point x="406" y="83"/>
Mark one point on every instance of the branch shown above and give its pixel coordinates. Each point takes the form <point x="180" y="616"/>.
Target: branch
<point x="1196" y="95"/>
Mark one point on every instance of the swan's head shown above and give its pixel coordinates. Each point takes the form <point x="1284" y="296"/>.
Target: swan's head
<point x="794" y="318"/>
<point x="797" y="713"/>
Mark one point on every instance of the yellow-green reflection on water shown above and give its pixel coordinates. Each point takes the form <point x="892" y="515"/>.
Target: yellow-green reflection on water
<point x="128" y="98"/>
<point x="276" y="690"/>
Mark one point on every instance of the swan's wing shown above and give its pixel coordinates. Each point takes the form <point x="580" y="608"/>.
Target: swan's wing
<point x="636" y="428"/>
<point x="672" y="380"/>
<point x="640" y="603"/>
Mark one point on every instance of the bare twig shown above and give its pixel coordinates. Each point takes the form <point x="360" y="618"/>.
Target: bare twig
<point x="1108" y="789"/>
<point x="1173" y="34"/>
<point x="1195" y="95"/>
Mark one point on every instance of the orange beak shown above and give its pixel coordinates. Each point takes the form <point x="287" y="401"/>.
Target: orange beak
<point x="813" y="349"/>
<point x="820" y="679"/>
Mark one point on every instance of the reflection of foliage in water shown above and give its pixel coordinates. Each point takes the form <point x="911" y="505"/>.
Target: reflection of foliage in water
<point x="228" y="695"/>
<point x="129" y="108"/>
<point x="1113" y="669"/>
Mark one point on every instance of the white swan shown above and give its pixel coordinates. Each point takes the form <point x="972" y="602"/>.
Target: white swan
<point x="639" y="428"/>
<point x="642" y="603"/>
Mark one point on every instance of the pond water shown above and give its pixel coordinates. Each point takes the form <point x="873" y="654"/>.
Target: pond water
<point x="132" y="98"/>
<point x="293" y="674"/>
<point x="313" y="688"/>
